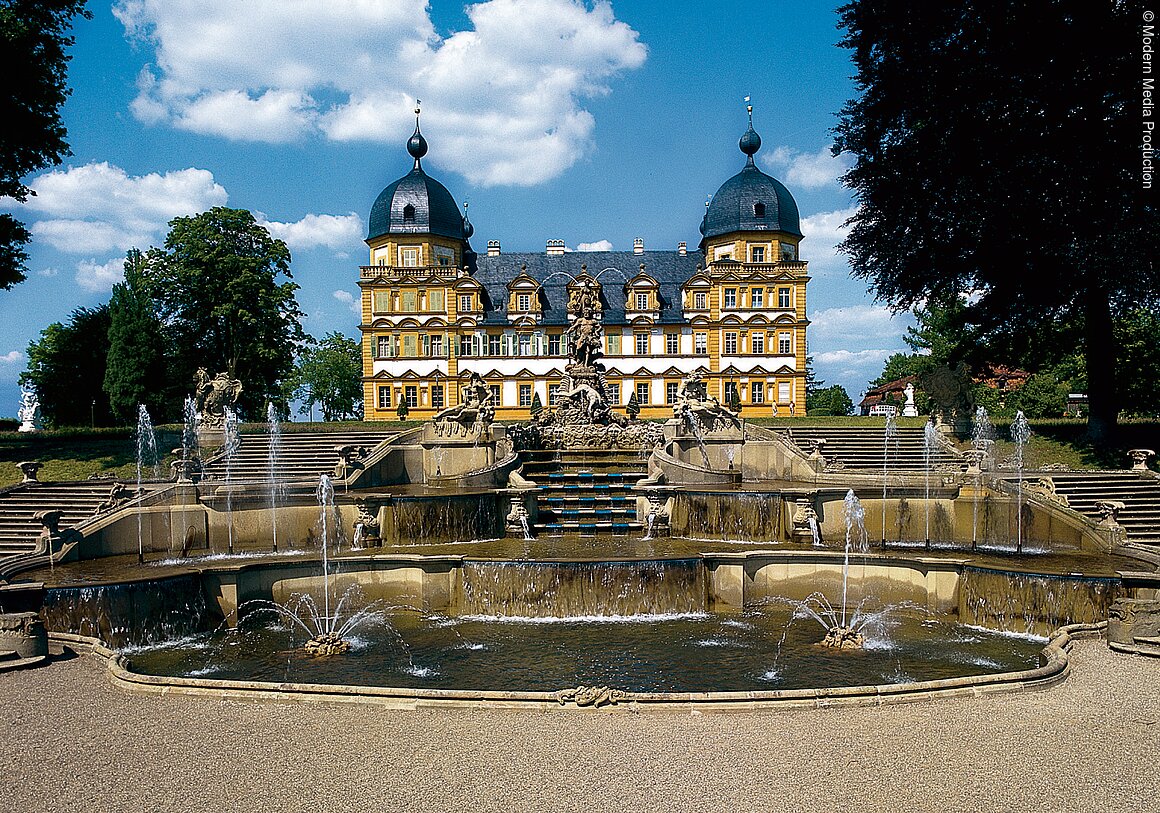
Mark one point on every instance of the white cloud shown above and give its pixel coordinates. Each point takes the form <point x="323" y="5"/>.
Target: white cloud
<point x="823" y="232"/>
<point x="314" y="231"/>
<point x="95" y="276"/>
<point x="347" y="298"/>
<point x="505" y="97"/>
<point x="98" y="207"/>
<point x="599" y="245"/>
<point x="11" y="357"/>
<point x="809" y="170"/>
<point x="48" y="272"/>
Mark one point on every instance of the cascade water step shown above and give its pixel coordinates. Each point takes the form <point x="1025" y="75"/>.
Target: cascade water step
<point x="585" y="491"/>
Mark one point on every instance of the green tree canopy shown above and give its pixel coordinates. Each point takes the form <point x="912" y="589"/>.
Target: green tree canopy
<point x="983" y="168"/>
<point x="223" y="291"/>
<point x="832" y="400"/>
<point x="66" y="367"/>
<point x="329" y="373"/>
<point x="33" y="40"/>
<point x="135" y="367"/>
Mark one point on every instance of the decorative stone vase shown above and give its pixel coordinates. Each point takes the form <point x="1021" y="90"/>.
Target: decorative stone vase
<point x="24" y="634"/>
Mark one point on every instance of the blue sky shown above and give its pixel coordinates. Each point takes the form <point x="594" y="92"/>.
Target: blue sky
<point x="553" y="119"/>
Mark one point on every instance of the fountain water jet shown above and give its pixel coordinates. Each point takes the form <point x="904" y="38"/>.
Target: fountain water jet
<point x="888" y="433"/>
<point x="930" y="440"/>
<point x="146" y="447"/>
<point x="982" y="439"/>
<point x="276" y="486"/>
<point x="232" y="441"/>
<point x="1020" y="433"/>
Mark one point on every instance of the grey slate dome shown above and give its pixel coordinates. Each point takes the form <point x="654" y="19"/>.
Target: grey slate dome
<point x="417" y="203"/>
<point x="751" y="200"/>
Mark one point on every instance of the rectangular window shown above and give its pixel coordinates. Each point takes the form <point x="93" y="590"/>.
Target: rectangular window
<point x="783" y="298"/>
<point x="384" y="347"/>
<point x="672" y="343"/>
<point x="642" y="388"/>
<point x="437" y="396"/>
<point x="411" y="395"/>
<point x="525" y="395"/>
<point x="700" y="300"/>
<point x="783" y="392"/>
<point x="493" y="344"/>
<point x="382" y="302"/>
<point x="409" y="257"/>
<point x="757" y="391"/>
<point x="730" y="343"/>
<point x="757" y="297"/>
<point x="496" y="394"/>
<point x="641" y="301"/>
<point x="435" y="300"/>
<point x="465" y="303"/>
<point x="408" y="301"/>
<point x="523" y="302"/>
<point x="757" y="342"/>
<point x="525" y="344"/>
<point x="730" y="298"/>
<point x="410" y="345"/>
<point x="671" y="392"/>
<point x="465" y="348"/>
<point x="614" y="394"/>
<point x="553" y="394"/>
<point x="701" y="344"/>
<point x="384" y="397"/>
<point x="784" y="343"/>
<point x="757" y="254"/>
<point x="731" y="394"/>
<point x="437" y="346"/>
<point x="444" y="256"/>
<point x="614" y="344"/>
<point x="788" y="252"/>
<point x="554" y="344"/>
<point x="641" y="343"/>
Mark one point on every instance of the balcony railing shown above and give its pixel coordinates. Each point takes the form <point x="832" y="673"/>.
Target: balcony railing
<point x="371" y="272"/>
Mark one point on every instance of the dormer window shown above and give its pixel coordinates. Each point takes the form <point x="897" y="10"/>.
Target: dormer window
<point x="408" y="215"/>
<point x="757" y="254"/>
<point x="759" y="210"/>
<point x="524" y="302"/>
<point x="641" y="301"/>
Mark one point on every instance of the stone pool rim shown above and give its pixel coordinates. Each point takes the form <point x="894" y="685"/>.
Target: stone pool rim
<point x="1055" y="669"/>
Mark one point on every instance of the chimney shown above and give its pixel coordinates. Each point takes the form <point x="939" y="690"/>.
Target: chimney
<point x="554" y="247"/>
<point x="638" y="246"/>
<point x="682" y="249"/>
<point x="493" y="248"/>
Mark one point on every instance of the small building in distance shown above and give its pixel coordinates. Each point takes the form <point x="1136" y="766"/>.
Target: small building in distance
<point x="434" y="311"/>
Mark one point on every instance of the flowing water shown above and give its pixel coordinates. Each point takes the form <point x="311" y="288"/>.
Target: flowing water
<point x="888" y="434"/>
<point x="930" y="444"/>
<point x="982" y="439"/>
<point x="232" y="441"/>
<point x="146" y="456"/>
<point x="1020" y="433"/>
<point x="277" y="487"/>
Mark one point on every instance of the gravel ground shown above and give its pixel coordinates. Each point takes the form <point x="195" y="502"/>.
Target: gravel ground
<point x="71" y="741"/>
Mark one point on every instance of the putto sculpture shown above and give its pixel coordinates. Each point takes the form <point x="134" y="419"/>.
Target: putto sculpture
<point x="29" y="412"/>
<point x="475" y="412"/>
<point x="701" y="410"/>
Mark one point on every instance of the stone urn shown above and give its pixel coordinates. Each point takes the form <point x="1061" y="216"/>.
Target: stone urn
<point x="24" y="634"/>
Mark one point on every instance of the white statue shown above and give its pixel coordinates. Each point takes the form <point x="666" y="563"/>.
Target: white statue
<point x="909" y="410"/>
<point x="29" y="412"/>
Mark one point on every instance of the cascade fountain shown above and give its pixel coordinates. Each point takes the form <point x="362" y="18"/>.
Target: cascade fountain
<point x="146" y="448"/>
<point x="1020" y="433"/>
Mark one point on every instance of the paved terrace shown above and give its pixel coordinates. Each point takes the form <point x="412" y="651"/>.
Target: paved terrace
<point x="72" y="742"/>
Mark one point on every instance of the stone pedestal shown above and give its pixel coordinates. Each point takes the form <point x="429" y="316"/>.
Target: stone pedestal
<point x="23" y="634"/>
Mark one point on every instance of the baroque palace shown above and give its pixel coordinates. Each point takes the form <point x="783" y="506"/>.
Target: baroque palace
<point x="434" y="312"/>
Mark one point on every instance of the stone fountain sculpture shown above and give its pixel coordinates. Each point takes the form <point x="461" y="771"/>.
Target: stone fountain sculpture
<point x="463" y="440"/>
<point x="213" y="397"/>
<point x="29" y="412"/>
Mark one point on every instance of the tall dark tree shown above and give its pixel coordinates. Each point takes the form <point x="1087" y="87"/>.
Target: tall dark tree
<point x="34" y="36"/>
<point x="135" y="370"/>
<point x="223" y="291"/>
<point x="987" y="164"/>
<point x="66" y="367"/>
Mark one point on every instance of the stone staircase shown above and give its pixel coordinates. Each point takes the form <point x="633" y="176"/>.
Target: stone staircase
<point x="301" y="456"/>
<point x="1140" y="494"/>
<point x="860" y="447"/>
<point x="77" y="502"/>
<point x="585" y="491"/>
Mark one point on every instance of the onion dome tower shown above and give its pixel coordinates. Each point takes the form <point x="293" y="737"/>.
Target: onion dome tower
<point x="750" y="201"/>
<point x="417" y="204"/>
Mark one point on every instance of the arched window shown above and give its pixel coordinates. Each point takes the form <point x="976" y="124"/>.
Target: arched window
<point x="408" y="214"/>
<point x="759" y="209"/>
